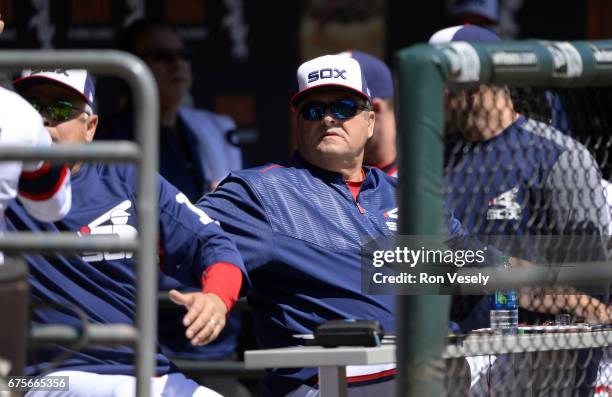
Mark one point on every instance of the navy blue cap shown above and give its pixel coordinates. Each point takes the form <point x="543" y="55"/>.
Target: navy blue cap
<point x="469" y="33"/>
<point x="376" y="72"/>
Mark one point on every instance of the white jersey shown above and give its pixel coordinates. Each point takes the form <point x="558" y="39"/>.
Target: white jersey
<point x="43" y="190"/>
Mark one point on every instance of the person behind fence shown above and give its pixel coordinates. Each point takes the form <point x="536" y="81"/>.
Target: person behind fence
<point x="509" y="175"/>
<point x="100" y="286"/>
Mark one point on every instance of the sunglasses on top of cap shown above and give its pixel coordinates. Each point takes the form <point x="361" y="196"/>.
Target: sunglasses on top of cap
<point x="342" y="109"/>
<point x="167" y="54"/>
<point x="58" y="110"/>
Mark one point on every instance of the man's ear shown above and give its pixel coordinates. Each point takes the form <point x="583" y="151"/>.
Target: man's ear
<point x="92" y="124"/>
<point x="371" y="121"/>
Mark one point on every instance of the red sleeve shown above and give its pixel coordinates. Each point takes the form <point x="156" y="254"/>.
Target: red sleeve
<point x="224" y="280"/>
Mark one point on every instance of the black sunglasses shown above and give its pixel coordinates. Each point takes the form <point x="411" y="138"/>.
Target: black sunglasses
<point x="58" y="110"/>
<point x="342" y="109"/>
<point x="167" y="54"/>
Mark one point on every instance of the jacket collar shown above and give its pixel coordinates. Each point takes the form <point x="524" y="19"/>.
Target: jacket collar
<point x="297" y="161"/>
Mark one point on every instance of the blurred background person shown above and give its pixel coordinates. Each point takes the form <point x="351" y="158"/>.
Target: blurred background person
<point x="195" y="153"/>
<point x="380" y="150"/>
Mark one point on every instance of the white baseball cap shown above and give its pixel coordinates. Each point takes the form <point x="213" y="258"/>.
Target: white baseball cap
<point x="77" y="80"/>
<point x="330" y="71"/>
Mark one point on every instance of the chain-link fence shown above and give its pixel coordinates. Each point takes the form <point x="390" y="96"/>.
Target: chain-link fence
<point x="527" y="170"/>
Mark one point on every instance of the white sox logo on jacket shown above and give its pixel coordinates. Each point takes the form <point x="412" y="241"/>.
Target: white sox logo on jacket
<point x="391" y="214"/>
<point x="505" y="206"/>
<point x="112" y="222"/>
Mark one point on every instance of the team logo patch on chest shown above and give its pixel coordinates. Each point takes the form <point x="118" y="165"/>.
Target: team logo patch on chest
<point x="112" y="222"/>
<point x="391" y="219"/>
<point x="505" y="206"/>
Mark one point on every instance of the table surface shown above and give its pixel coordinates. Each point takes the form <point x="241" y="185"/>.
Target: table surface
<point x="472" y="345"/>
<point x="317" y="356"/>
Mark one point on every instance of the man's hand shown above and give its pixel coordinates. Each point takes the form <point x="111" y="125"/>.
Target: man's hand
<point x="205" y="318"/>
<point x="517" y="262"/>
<point x="1" y="24"/>
<point x="557" y="299"/>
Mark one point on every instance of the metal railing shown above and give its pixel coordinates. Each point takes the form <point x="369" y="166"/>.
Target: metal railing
<point x="145" y="154"/>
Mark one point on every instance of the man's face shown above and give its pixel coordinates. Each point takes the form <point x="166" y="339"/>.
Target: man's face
<point x="63" y="112"/>
<point x="476" y="113"/>
<point x="457" y="105"/>
<point x="384" y="130"/>
<point x="332" y="138"/>
<point x="165" y="54"/>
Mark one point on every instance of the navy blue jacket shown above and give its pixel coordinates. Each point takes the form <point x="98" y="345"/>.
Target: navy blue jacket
<point x="529" y="180"/>
<point x="101" y="285"/>
<point x="300" y="233"/>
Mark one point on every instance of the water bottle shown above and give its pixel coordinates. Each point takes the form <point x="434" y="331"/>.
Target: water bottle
<point x="504" y="312"/>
